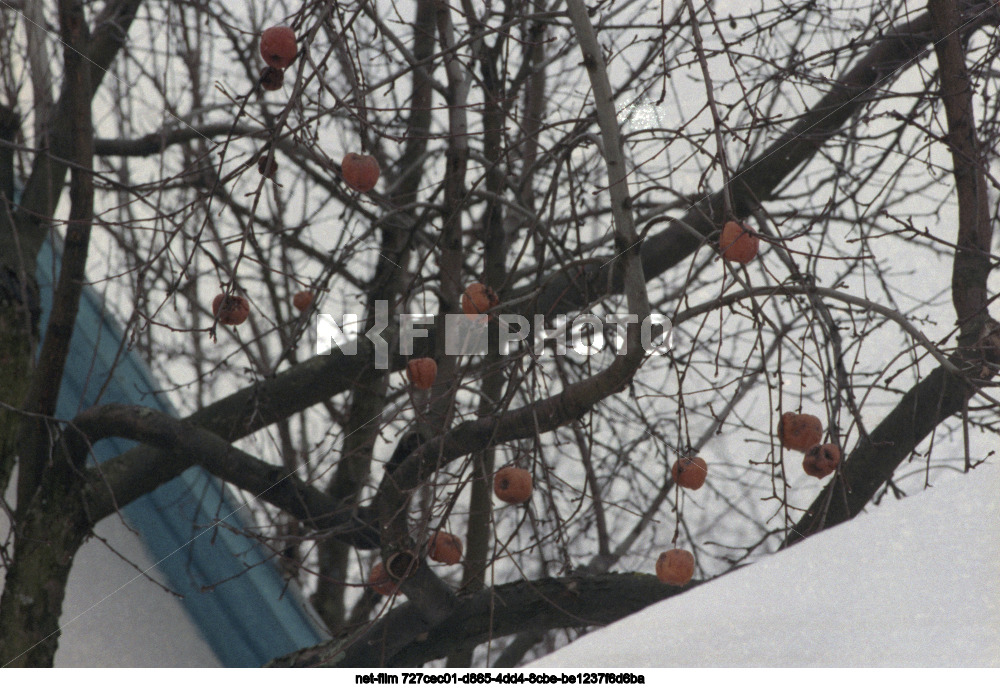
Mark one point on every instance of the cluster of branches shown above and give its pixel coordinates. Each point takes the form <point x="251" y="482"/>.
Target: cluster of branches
<point x="547" y="149"/>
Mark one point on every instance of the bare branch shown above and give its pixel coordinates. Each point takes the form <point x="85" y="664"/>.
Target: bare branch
<point x="571" y="602"/>
<point x="975" y="231"/>
<point x="197" y="446"/>
<point x="152" y="144"/>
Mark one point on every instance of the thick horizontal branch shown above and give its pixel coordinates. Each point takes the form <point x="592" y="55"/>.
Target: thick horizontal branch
<point x="189" y="444"/>
<point x="152" y="144"/>
<point x="571" y="602"/>
<point x="236" y="416"/>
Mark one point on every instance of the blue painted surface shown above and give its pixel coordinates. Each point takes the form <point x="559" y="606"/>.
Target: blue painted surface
<point x="237" y="598"/>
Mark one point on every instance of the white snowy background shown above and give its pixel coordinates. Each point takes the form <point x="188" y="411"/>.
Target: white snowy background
<point x="913" y="583"/>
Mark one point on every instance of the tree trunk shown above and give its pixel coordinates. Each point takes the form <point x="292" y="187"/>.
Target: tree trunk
<point x="48" y="534"/>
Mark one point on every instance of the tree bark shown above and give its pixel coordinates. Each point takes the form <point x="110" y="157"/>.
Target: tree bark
<point x="78" y="142"/>
<point x="17" y="319"/>
<point x="51" y="523"/>
<point x="973" y="263"/>
<point x="49" y="531"/>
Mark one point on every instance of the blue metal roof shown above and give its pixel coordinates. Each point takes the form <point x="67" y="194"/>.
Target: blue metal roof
<point x="236" y="597"/>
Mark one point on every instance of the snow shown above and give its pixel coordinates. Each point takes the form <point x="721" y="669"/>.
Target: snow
<point x="912" y="583"/>
<point x="115" y="617"/>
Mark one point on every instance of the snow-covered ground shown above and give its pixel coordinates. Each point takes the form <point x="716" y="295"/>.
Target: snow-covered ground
<point x="914" y="583"/>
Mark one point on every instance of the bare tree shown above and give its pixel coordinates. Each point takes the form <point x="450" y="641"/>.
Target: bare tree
<point x="580" y="161"/>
